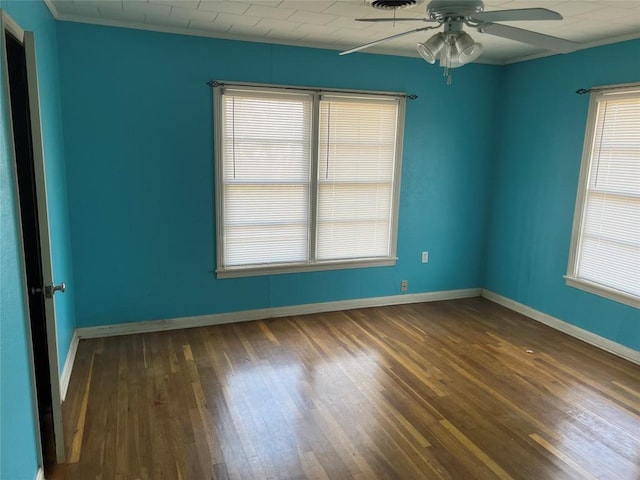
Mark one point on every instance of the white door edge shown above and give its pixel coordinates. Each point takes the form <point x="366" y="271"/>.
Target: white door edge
<point x="45" y="240"/>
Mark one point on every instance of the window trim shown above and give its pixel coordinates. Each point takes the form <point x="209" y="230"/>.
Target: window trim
<point x="297" y="267"/>
<point x="571" y="277"/>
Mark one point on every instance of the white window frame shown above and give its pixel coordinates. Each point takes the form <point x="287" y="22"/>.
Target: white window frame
<point x="571" y="277"/>
<point x="311" y="264"/>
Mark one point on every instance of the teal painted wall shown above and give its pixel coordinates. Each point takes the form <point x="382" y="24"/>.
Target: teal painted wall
<point x="18" y="437"/>
<point x="138" y="134"/>
<point x="18" y="447"/>
<point x="535" y="181"/>
<point x="494" y="207"/>
<point x="18" y="453"/>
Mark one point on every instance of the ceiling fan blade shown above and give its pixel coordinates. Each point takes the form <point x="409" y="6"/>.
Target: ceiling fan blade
<point x="517" y="15"/>
<point x="555" y="44"/>
<point x="397" y="35"/>
<point x="394" y="20"/>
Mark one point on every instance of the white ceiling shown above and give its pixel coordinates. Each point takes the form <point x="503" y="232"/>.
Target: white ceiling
<point x="330" y="24"/>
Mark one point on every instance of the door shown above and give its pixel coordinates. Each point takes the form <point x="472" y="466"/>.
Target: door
<point x="18" y="62"/>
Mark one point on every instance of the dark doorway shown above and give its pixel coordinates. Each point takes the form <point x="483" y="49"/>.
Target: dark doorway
<point x="22" y="136"/>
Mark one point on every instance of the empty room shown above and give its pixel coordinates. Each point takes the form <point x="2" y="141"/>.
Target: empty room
<point x="358" y="239"/>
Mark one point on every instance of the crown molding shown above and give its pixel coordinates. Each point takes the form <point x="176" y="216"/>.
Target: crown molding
<point x="52" y="8"/>
<point x="332" y="46"/>
<point x="227" y="36"/>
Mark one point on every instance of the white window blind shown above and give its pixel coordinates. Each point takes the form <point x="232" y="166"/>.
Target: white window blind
<point x="357" y="145"/>
<point x="266" y="159"/>
<point x="608" y="247"/>
<point x="305" y="180"/>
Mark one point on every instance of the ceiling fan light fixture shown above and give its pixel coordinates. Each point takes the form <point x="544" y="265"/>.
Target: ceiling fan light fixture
<point x="430" y="49"/>
<point x="468" y="49"/>
<point x="449" y="57"/>
<point x="453" y="47"/>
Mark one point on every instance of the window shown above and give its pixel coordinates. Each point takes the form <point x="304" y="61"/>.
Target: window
<point x="605" y="248"/>
<point x="305" y="179"/>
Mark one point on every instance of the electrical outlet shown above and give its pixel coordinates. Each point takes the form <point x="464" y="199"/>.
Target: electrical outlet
<point x="404" y="285"/>
<point x="425" y="257"/>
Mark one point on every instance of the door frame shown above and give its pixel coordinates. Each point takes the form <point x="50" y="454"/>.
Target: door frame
<point x="8" y="25"/>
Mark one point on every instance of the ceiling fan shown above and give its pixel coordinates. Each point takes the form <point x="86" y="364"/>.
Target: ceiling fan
<point x="454" y="47"/>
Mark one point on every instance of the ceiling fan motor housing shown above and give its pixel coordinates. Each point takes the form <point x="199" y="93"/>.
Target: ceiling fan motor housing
<point x="441" y="10"/>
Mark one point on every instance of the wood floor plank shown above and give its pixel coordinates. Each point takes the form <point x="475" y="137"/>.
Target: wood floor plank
<point x="441" y="390"/>
<point x="580" y="472"/>
<point x="76" y="442"/>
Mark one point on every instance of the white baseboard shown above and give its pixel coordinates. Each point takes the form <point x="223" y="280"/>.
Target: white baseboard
<point x="577" y="332"/>
<point x="40" y="474"/>
<point x="260" y="314"/>
<point x="65" y="376"/>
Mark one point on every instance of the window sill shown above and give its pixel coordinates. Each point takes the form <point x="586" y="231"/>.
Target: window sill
<point x="610" y="293"/>
<point x="303" y="267"/>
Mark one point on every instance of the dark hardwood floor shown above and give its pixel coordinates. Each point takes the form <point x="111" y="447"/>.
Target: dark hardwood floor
<point x="454" y="390"/>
